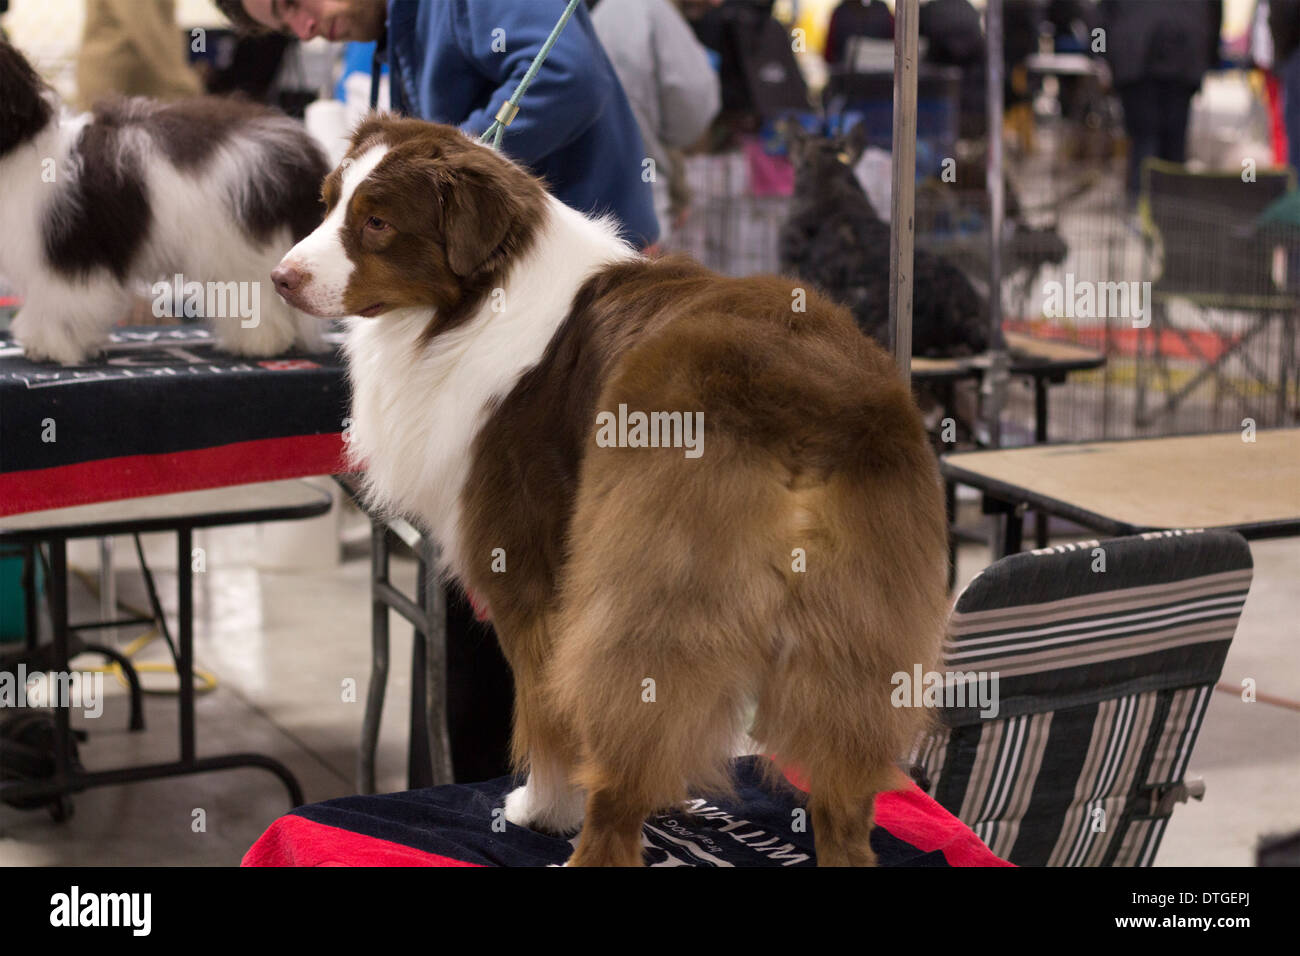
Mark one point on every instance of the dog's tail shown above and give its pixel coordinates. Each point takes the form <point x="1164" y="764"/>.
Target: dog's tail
<point x="864" y="615"/>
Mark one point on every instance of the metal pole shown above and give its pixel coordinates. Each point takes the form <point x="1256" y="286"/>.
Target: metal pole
<point x="107" y="588"/>
<point x="994" y="387"/>
<point x="903" y="192"/>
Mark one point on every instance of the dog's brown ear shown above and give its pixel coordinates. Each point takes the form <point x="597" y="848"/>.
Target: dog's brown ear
<point x="855" y="142"/>
<point x="795" y="138"/>
<point x="480" y="211"/>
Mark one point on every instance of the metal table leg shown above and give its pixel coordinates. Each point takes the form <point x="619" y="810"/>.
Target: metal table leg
<point x="950" y="507"/>
<point x="378" y="659"/>
<point x="1040" y="437"/>
<point x="107" y="585"/>
<point x="58" y="593"/>
<point x="1013" y="524"/>
<point x="185" y="639"/>
<point x="428" y="745"/>
<point x="437" y="734"/>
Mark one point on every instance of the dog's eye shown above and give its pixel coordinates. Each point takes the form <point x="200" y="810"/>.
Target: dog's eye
<point x="376" y="224"/>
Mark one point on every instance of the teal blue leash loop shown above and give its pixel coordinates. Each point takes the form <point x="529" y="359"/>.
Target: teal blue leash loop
<point x="510" y="108"/>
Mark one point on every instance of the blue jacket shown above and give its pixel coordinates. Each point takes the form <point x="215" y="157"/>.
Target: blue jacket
<point x="575" y="127"/>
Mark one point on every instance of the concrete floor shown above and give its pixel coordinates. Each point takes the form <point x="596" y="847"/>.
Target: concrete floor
<point x="282" y="645"/>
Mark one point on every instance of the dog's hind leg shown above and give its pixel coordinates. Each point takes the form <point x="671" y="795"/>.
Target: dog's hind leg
<point x="654" y="726"/>
<point x="665" y="619"/>
<point x="826" y="729"/>
<point x="869" y="605"/>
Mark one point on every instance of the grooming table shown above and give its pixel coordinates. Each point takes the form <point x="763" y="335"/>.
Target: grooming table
<point x="1135" y="485"/>
<point x="133" y="442"/>
<point x="453" y="825"/>
<point x="163" y="411"/>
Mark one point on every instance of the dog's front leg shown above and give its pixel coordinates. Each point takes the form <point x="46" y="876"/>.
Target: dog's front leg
<point x="67" y="322"/>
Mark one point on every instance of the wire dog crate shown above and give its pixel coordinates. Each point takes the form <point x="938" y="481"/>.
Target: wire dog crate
<point x="1081" y="266"/>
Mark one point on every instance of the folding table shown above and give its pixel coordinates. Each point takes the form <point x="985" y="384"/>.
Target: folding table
<point x="1135" y="485"/>
<point x="179" y="513"/>
<point x="1044" y="361"/>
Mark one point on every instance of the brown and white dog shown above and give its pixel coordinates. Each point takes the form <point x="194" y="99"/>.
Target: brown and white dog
<point x="649" y="585"/>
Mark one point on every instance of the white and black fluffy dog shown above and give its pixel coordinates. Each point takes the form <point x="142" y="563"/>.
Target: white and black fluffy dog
<point x="95" y="206"/>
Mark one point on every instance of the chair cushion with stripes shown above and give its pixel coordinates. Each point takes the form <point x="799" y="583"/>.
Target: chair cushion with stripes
<point x="1067" y="787"/>
<point x="1103" y="680"/>
<point x="1059" y="631"/>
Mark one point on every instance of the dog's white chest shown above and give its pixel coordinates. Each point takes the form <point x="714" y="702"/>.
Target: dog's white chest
<point x="414" y="417"/>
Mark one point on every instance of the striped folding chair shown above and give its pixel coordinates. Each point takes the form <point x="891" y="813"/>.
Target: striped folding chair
<point x="1102" y="657"/>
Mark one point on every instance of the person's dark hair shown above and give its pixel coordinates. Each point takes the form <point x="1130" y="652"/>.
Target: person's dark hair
<point x="234" y="12"/>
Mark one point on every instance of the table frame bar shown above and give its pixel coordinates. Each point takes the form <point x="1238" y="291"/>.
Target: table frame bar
<point x="66" y="781"/>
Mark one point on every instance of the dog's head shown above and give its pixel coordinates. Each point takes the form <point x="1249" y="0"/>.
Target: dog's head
<point x="26" y="103"/>
<point x="821" y="160"/>
<point x="418" y="216"/>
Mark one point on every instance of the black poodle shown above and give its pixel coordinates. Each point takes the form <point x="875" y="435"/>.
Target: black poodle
<point x="835" y="241"/>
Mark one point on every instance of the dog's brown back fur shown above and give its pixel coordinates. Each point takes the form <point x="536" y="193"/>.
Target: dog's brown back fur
<point x="627" y="564"/>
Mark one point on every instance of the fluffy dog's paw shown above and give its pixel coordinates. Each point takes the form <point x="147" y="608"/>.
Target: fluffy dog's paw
<point x="264" y="340"/>
<point x="44" y="341"/>
<point x="524" y="809"/>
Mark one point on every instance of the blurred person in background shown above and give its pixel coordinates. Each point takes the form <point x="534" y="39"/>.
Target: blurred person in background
<point x="955" y="37"/>
<point x="1072" y="23"/>
<point x="669" y="80"/>
<point x="1284" y="26"/>
<point x="694" y="9"/>
<point x="1021" y="23"/>
<point x="458" y="63"/>
<point x="869" y="19"/>
<point x="1159" y="52"/>
<point x="135" y="48"/>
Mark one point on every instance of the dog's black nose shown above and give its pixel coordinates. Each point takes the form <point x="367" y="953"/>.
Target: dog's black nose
<point x="287" y="279"/>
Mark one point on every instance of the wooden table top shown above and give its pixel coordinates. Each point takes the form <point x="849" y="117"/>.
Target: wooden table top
<point x="1027" y="354"/>
<point x="235" y="504"/>
<point x="1193" y="481"/>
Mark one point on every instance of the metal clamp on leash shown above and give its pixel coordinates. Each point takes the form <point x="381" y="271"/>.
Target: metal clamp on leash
<point x="506" y="115"/>
<point x="510" y="109"/>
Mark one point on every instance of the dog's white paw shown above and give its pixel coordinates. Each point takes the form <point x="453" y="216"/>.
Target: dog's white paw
<point x="263" y="340"/>
<point x="561" y="814"/>
<point x="49" y="341"/>
<point x="519" y="806"/>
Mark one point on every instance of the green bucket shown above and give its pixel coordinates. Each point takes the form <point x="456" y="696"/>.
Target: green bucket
<point x="13" y="603"/>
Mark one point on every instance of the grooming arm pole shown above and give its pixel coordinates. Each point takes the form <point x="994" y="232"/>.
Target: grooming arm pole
<point x="994" y="388"/>
<point x="903" y="194"/>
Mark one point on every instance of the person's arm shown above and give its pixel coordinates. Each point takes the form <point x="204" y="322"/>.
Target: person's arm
<point x="1215" y="15"/>
<point x="831" y="53"/>
<point x="567" y="95"/>
<point x="689" y="91"/>
<point x="159" y="43"/>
